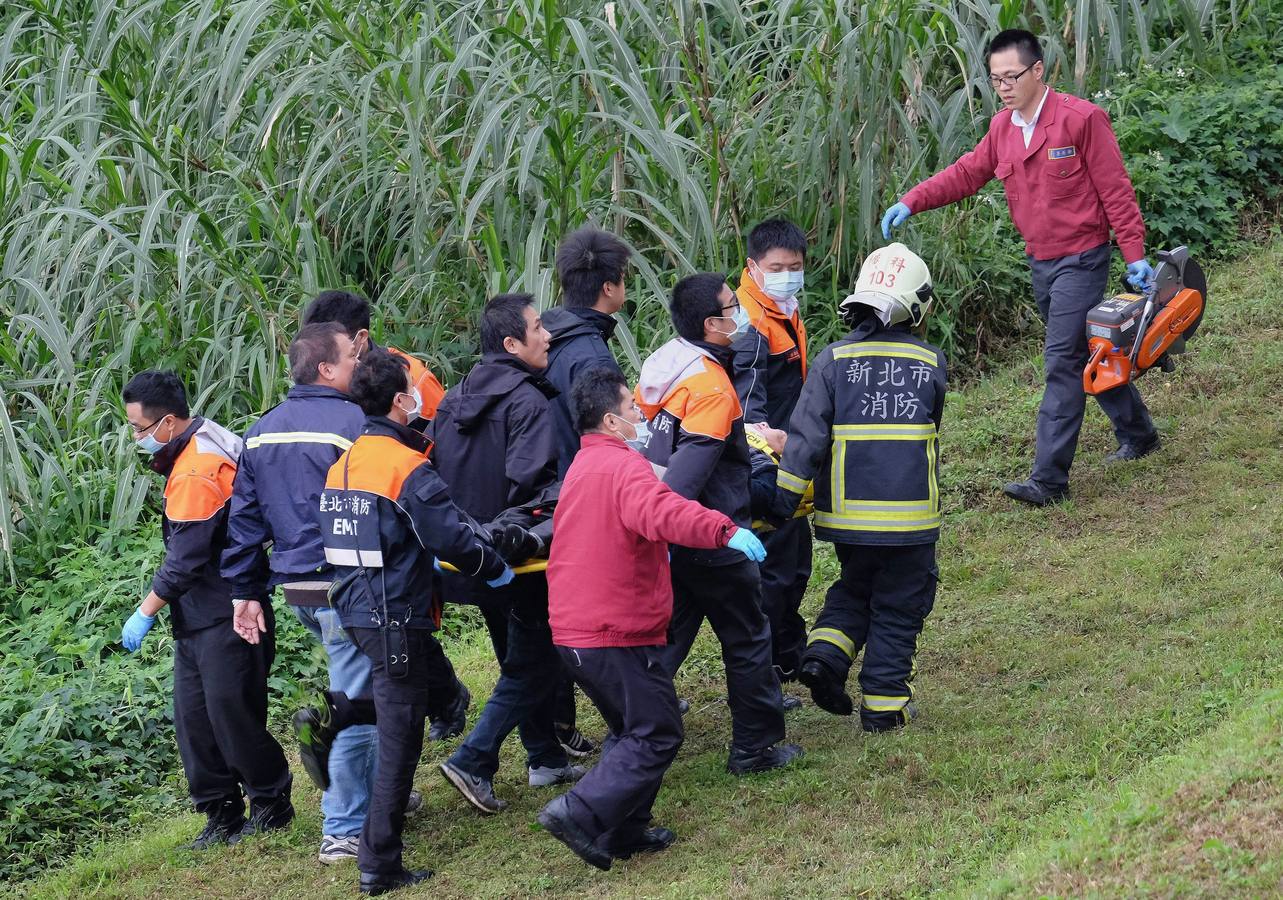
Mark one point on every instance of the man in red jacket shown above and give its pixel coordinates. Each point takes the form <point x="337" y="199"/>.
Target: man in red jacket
<point x="610" y="598"/>
<point x="1066" y="188"/>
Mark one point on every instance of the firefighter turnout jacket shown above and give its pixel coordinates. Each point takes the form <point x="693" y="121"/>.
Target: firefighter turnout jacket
<point x="199" y="467"/>
<point x="865" y="429"/>
<point x="697" y="433"/>
<point x="384" y="517"/>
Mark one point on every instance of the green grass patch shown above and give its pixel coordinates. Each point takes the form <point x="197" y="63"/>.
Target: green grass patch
<point x="1097" y="686"/>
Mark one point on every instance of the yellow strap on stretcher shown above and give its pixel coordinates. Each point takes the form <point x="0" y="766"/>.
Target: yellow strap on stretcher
<point x="526" y="568"/>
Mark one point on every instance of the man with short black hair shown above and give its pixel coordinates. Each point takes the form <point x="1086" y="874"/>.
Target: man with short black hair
<point x="770" y="368"/>
<point x="449" y="699"/>
<point x="385" y="518"/>
<point x="220" y="682"/>
<point x="352" y="311"/>
<point x="495" y="447"/>
<point x="697" y="433"/>
<point x="1067" y="188"/>
<point x="609" y="621"/>
<point x="282" y="471"/>
<point x="591" y="265"/>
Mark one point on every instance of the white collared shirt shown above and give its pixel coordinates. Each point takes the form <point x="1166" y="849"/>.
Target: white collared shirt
<point x="1027" y="128"/>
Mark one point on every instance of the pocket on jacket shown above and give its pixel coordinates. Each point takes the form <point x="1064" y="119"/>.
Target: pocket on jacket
<point x="1003" y="172"/>
<point x="1068" y="179"/>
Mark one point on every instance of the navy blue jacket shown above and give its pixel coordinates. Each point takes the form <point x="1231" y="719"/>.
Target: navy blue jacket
<point x="384" y="516"/>
<point x="579" y="339"/>
<point x="288" y="453"/>
<point x="866" y="431"/>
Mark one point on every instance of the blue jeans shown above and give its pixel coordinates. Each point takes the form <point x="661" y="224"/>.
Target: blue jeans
<point x="525" y="695"/>
<point x="356" y="749"/>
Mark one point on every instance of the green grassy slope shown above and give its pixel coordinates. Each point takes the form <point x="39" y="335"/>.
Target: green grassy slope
<point x="1096" y="686"/>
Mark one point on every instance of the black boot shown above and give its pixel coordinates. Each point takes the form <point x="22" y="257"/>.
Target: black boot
<point x="556" y="821"/>
<point x="314" y="728"/>
<point x="223" y="820"/>
<point x="455" y="719"/>
<point x="645" y="840"/>
<point x="374" y="885"/>
<point x="1035" y="493"/>
<point x="272" y="815"/>
<point x="776" y="756"/>
<point x="827" y="691"/>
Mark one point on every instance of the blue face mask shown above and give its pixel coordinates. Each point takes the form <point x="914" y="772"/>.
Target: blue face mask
<point x="148" y="443"/>
<point x="783" y="285"/>
<point x="741" y="324"/>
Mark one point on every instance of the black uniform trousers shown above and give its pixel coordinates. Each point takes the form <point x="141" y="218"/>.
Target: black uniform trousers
<point x="879" y="604"/>
<point x="633" y="690"/>
<point x="495" y="616"/>
<point x="220" y="717"/>
<point x="785" y="573"/>
<point x="399" y="707"/>
<point x="1066" y="289"/>
<point x="729" y="597"/>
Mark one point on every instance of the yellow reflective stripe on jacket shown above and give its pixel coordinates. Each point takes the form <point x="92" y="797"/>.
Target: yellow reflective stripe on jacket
<point x="299" y="437"/>
<point x="790" y="482"/>
<point x="889" y="431"/>
<point x="887" y="348"/>
<point x="834" y="637"/>
<point x="882" y="703"/>
<point x="909" y="521"/>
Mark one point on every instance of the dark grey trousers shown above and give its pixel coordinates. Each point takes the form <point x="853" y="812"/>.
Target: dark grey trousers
<point x="1066" y="289"/>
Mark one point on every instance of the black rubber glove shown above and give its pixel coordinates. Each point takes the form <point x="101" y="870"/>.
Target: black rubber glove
<point x="514" y="543"/>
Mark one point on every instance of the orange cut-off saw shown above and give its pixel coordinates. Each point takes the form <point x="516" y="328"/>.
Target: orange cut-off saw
<point x="1129" y="334"/>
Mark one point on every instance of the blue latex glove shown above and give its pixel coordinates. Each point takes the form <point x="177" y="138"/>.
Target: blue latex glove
<point x="747" y="543"/>
<point x="135" y="630"/>
<point x="1140" y="274"/>
<point x="894" y="218"/>
<point x="502" y="578"/>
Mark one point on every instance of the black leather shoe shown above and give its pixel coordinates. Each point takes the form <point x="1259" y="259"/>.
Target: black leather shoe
<point x="455" y="719"/>
<point x="650" y="840"/>
<point x="557" y="822"/>
<point x="266" y="817"/>
<point x="223" y="821"/>
<point x="1128" y="451"/>
<point x="776" y="756"/>
<point x="374" y="885"/>
<point x="1033" y="493"/>
<point x="827" y="692"/>
<point x="791" y="703"/>
<point x="313" y="726"/>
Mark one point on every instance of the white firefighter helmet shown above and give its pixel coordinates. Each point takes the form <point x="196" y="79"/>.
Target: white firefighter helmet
<point x="895" y="284"/>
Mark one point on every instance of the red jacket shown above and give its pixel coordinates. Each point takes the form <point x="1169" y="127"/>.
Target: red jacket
<point x="1065" y="191"/>
<point x="608" y="577"/>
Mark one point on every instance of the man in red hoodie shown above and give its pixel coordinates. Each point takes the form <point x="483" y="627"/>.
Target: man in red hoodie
<point x="610" y="598"/>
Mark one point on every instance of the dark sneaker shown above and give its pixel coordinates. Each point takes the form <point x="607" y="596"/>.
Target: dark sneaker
<point x="683" y="705"/>
<point x="374" y="885"/>
<point x="791" y="703"/>
<point x="414" y="803"/>
<point x="477" y="791"/>
<point x="650" y="840"/>
<point x="271" y="816"/>
<point x="776" y="756"/>
<point x="557" y="822"/>
<point x="455" y="719"/>
<point x="828" y="694"/>
<point x="1128" y="451"/>
<point x="574" y="743"/>
<point x="313" y="728"/>
<point x="337" y="848"/>
<point x="1034" y="493"/>
<point x="225" y="820"/>
<point x="547" y="776"/>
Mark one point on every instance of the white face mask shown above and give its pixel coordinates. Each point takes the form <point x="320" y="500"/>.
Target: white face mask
<point x="740" y="322"/>
<point x="412" y="413"/>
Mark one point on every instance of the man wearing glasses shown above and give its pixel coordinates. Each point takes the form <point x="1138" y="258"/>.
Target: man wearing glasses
<point x="1066" y="187"/>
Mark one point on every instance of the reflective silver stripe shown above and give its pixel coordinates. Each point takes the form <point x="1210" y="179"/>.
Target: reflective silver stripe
<point x="790" y="481"/>
<point x="371" y="559"/>
<point x="299" y="437"/>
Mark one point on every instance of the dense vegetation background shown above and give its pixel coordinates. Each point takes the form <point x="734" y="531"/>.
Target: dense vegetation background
<point x="176" y="176"/>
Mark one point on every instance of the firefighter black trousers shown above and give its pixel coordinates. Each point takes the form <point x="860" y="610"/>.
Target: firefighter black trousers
<point x="399" y="707"/>
<point x="220" y="717"/>
<point x="730" y="598"/>
<point x="879" y="604"/>
<point x="633" y="691"/>
<point x="785" y="572"/>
